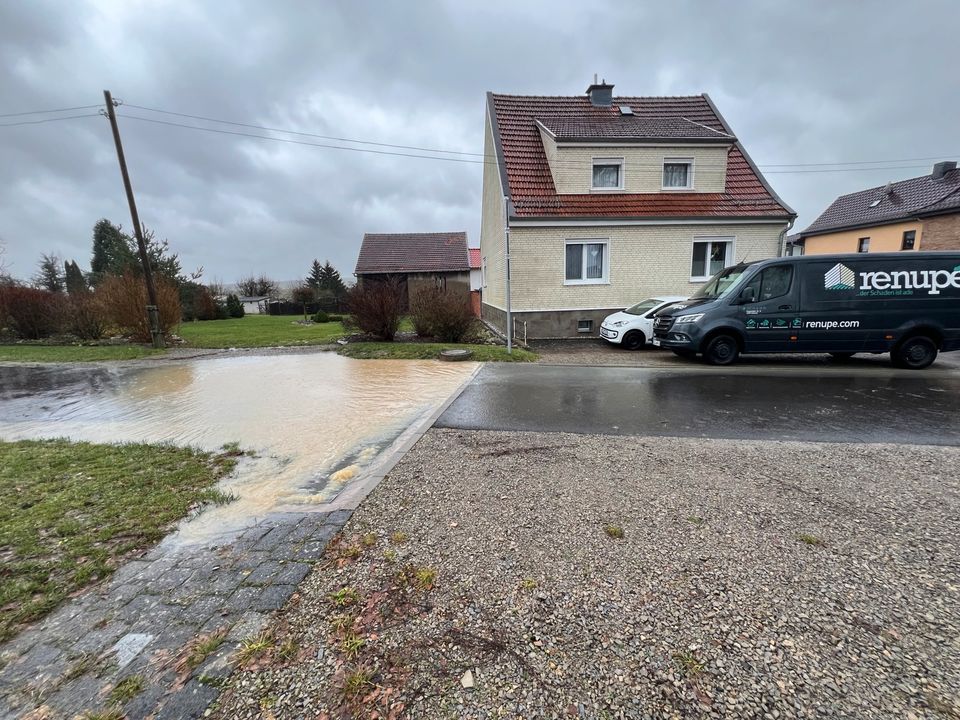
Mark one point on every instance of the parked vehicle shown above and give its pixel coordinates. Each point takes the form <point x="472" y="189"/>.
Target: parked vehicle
<point x="906" y="303"/>
<point x="632" y="328"/>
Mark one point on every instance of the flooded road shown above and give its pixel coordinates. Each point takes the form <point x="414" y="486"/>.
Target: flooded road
<point x="318" y="423"/>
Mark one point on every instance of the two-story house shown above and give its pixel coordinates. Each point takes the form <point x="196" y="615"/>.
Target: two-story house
<point x="609" y="200"/>
<point x="919" y="213"/>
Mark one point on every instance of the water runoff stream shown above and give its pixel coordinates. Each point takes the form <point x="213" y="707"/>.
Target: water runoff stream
<point x="317" y="422"/>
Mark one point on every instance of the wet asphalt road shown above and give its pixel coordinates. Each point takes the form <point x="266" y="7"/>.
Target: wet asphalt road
<point x="762" y="402"/>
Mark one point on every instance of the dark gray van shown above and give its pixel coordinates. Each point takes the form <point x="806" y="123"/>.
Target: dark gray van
<point x="907" y="304"/>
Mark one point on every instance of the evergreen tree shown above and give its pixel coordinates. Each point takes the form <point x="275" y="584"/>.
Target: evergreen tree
<point x="112" y="254"/>
<point x="332" y="280"/>
<point x="316" y="278"/>
<point x="234" y="306"/>
<point x="48" y="275"/>
<point x="73" y="278"/>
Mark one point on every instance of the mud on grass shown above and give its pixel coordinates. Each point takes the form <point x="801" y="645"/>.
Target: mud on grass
<point x="71" y="512"/>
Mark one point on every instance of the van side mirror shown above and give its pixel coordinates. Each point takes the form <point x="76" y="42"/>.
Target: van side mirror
<point x="748" y="295"/>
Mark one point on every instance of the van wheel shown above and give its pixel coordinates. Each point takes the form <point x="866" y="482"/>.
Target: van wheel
<point x="633" y="340"/>
<point x="914" y="353"/>
<point x="685" y="354"/>
<point x="721" y="350"/>
<point x="842" y="355"/>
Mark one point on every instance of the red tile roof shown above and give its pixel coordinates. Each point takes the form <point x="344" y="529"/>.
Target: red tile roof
<point x="413" y="252"/>
<point x="475" y="258"/>
<point x="523" y="162"/>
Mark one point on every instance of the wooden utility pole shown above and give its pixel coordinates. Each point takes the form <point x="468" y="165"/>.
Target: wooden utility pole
<point x="153" y="313"/>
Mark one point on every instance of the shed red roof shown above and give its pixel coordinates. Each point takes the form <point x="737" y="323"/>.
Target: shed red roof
<point x="475" y="258"/>
<point x="413" y="252"/>
<point x="523" y="162"/>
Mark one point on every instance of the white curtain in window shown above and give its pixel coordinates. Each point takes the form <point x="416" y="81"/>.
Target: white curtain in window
<point x="718" y="257"/>
<point x="606" y="176"/>
<point x="594" y="261"/>
<point x="675" y="175"/>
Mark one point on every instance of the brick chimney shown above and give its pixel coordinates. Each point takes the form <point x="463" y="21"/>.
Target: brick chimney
<point x="942" y="168"/>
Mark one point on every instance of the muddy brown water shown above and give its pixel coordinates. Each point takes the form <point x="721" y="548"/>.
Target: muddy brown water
<point x="318" y="423"/>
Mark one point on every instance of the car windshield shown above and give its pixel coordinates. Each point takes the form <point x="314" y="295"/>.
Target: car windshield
<point x="721" y="283"/>
<point x="641" y="307"/>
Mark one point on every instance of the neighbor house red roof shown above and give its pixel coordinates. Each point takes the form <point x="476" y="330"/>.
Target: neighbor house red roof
<point x="529" y="184"/>
<point x="475" y="258"/>
<point x="413" y="252"/>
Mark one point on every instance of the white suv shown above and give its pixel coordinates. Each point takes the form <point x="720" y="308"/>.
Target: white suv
<point x="633" y="328"/>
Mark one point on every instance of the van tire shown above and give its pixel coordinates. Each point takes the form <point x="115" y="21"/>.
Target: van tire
<point x="914" y="353"/>
<point x="633" y="340"/>
<point x="721" y="349"/>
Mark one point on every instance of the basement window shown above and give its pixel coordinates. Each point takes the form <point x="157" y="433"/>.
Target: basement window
<point x="584" y="326"/>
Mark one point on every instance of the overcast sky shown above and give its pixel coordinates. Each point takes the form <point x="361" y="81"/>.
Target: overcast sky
<point x="800" y="82"/>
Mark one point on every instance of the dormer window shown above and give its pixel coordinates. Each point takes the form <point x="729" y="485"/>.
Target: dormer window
<point x="607" y="174"/>
<point x="678" y="173"/>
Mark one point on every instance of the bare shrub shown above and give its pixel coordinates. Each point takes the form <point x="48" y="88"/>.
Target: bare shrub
<point x="86" y="316"/>
<point x="442" y="314"/>
<point x="31" y="313"/>
<point x="375" y="307"/>
<point x="124" y="299"/>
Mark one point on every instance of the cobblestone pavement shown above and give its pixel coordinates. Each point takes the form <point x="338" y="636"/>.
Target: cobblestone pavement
<point x="138" y="627"/>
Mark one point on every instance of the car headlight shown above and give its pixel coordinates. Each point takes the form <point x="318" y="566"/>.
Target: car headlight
<point x="618" y="323"/>
<point x="686" y="319"/>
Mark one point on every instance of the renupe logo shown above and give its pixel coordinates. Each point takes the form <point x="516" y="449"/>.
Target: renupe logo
<point x="840" y="277"/>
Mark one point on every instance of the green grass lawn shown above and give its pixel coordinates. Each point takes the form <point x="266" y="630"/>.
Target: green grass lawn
<point x="258" y="331"/>
<point x="70" y="512"/>
<point x="429" y="351"/>
<point x="73" y="353"/>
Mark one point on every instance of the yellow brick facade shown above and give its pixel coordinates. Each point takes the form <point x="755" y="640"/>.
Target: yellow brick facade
<point x="883" y="238"/>
<point x="492" y="226"/>
<point x="572" y="167"/>
<point x="644" y="260"/>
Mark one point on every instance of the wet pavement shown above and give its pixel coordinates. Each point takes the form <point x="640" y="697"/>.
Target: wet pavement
<point x="785" y="402"/>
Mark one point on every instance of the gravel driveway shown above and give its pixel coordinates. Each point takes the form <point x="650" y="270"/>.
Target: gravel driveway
<point x="752" y="579"/>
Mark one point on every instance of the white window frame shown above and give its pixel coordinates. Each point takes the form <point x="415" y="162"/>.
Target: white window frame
<point x="605" y="280"/>
<point x="689" y="161"/>
<point x="608" y="161"/>
<point x="731" y="239"/>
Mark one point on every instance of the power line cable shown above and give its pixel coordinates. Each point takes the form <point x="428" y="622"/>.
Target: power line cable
<point x="45" y="112"/>
<point x="304" y="134"/>
<point x="299" y="142"/>
<point x="436" y="157"/>
<point x="473" y="154"/>
<point x="49" y="120"/>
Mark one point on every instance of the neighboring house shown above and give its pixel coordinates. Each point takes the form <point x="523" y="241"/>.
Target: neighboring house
<point x="611" y="200"/>
<point x="416" y="259"/>
<point x="921" y="213"/>
<point x="476" y="269"/>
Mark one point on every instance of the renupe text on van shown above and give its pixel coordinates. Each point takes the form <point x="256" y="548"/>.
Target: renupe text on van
<point x="907" y="304"/>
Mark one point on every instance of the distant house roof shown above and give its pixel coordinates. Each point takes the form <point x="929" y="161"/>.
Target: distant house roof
<point x="475" y="260"/>
<point x="933" y="194"/>
<point x="619" y="128"/>
<point x="413" y="252"/>
<point x="527" y="181"/>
